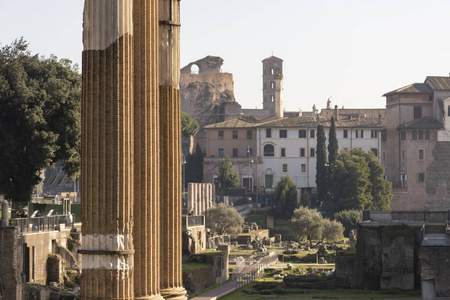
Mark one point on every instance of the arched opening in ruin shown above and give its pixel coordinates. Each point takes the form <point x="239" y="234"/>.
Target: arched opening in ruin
<point x="195" y="69"/>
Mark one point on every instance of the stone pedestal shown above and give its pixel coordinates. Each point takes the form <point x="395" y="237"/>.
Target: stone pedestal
<point x="170" y="120"/>
<point x="107" y="158"/>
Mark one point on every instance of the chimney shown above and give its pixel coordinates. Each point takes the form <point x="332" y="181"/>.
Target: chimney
<point x="336" y="113"/>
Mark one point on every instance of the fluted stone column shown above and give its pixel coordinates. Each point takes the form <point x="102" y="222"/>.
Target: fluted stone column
<point x="170" y="114"/>
<point x="146" y="151"/>
<point x="107" y="143"/>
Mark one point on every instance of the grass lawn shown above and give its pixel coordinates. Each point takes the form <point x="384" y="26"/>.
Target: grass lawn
<point x="250" y="293"/>
<point x="194" y="266"/>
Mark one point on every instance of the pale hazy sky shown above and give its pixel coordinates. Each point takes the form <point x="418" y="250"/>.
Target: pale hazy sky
<point x="350" y="50"/>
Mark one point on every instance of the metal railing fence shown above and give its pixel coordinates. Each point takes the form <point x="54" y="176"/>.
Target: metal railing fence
<point x="256" y="271"/>
<point x="30" y="225"/>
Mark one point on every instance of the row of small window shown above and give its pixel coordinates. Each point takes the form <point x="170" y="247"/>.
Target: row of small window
<point x="302" y="133"/>
<point x="235" y="152"/>
<point x="416" y="135"/>
<point x="302" y="168"/>
<point x="269" y="150"/>
<point x="235" y="134"/>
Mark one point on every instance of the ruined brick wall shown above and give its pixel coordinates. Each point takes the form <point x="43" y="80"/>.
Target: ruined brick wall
<point x="203" y="94"/>
<point x="10" y="263"/>
<point x="438" y="179"/>
<point x="387" y="257"/>
<point x="434" y="262"/>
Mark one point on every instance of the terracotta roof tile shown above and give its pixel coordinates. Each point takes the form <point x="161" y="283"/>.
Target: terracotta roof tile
<point x="415" y="88"/>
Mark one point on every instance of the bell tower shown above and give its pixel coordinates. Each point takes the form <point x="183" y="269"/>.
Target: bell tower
<point x="273" y="86"/>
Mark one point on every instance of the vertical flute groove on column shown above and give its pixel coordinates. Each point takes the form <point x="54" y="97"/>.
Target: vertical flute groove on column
<point x="170" y="120"/>
<point x="146" y="151"/>
<point x="107" y="162"/>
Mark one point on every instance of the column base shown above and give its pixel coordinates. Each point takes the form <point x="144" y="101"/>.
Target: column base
<point x="177" y="293"/>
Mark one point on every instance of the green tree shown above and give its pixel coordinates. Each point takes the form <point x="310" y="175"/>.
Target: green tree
<point x="285" y="197"/>
<point x="307" y="224"/>
<point x="39" y="118"/>
<point x="321" y="165"/>
<point x="332" y="230"/>
<point x="333" y="145"/>
<point x="380" y="189"/>
<point x="349" y="218"/>
<point x="194" y="166"/>
<point x="304" y="199"/>
<point x="222" y="219"/>
<point x="228" y="177"/>
<point x="189" y="126"/>
<point x="357" y="182"/>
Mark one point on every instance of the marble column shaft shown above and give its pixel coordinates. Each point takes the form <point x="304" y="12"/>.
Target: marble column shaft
<point x="146" y="151"/>
<point x="107" y="158"/>
<point x="171" y="177"/>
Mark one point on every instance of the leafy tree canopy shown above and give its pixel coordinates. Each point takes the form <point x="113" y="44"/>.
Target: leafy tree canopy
<point x="308" y="224"/>
<point x="189" y="126"/>
<point x="349" y="218"/>
<point x="228" y="177"/>
<point x="357" y="182"/>
<point x="285" y="197"/>
<point x="39" y="118"/>
<point x="222" y="219"/>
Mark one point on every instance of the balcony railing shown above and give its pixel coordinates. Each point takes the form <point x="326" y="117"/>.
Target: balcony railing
<point x="39" y="224"/>
<point x="193" y="221"/>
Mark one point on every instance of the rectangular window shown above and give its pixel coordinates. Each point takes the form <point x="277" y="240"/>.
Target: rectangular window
<point x="417" y="112"/>
<point x="235" y="152"/>
<point x="303" y="168"/>
<point x="235" y="134"/>
<point x="383" y="136"/>
<point x="220" y="134"/>
<point x="421" y="177"/>
<point x="220" y="152"/>
<point x="268" y="133"/>
<point x="249" y="134"/>
<point x="375" y="151"/>
<point x="283" y="133"/>
<point x="312" y="152"/>
<point x="374" y="134"/>
<point x="403" y="135"/>
<point x="268" y="179"/>
<point x="272" y="85"/>
<point x="420" y="153"/>
<point x="362" y="133"/>
<point x="283" y="152"/>
<point x="302" y="152"/>
<point x="312" y="133"/>
<point x="356" y="133"/>
<point x="285" y="168"/>
<point x="345" y="133"/>
<point x="448" y="111"/>
<point x="302" y="134"/>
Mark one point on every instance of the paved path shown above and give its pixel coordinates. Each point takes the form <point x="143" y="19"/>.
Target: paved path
<point x="218" y="292"/>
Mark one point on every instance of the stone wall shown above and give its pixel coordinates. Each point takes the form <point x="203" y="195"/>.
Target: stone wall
<point x="345" y="271"/>
<point x="11" y="263"/>
<point x="387" y="256"/>
<point x="435" y="271"/>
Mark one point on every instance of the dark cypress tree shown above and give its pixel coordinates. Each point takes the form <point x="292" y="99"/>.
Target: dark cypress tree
<point x="333" y="146"/>
<point x="321" y="165"/>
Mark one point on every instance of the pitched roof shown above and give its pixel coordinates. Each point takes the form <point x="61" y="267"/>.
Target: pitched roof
<point x="439" y="82"/>
<point x="423" y="123"/>
<point x="415" y="88"/>
<point x="353" y="113"/>
<point x="312" y="122"/>
<point x="272" y="58"/>
<point x="240" y="122"/>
